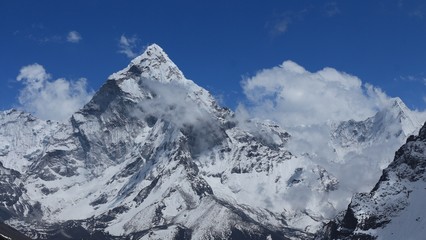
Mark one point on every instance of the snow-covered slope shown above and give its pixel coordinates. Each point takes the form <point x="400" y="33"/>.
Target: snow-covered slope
<point x="393" y="209"/>
<point x="153" y="156"/>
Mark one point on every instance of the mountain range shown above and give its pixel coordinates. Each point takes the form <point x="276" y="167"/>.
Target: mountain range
<point x="154" y="156"/>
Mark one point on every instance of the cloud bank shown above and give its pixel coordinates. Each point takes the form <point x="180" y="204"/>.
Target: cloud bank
<point x="51" y="99"/>
<point x="293" y="96"/>
<point x="309" y="105"/>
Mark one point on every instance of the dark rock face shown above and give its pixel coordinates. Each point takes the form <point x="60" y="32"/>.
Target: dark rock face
<point x="53" y="163"/>
<point x="145" y="191"/>
<point x="9" y="191"/>
<point x="9" y="233"/>
<point x="389" y="198"/>
<point x="12" y="190"/>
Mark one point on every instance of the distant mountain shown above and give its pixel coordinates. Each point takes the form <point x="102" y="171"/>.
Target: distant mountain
<point x="153" y="156"/>
<point x="394" y="208"/>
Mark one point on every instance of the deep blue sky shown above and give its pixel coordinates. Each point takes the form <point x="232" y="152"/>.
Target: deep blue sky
<point x="216" y="43"/>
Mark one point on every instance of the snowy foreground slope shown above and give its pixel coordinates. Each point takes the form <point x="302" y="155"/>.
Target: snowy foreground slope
<point x="394" y="208"/>
<point x="153" y="156"/>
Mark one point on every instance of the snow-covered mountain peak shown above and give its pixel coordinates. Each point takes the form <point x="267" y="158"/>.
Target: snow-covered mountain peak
<point x="398" y="106"/>
<point x="409" y="121"/>
<point x="395" y="119"/>
<point x="154" y="76"/>
<point x="153" y="64"/>
<point x="397" y="101"/>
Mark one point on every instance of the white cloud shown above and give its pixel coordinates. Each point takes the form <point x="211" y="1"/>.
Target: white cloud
<point x="127" y="46"/>
<point x="34" y="75"/>
<point x="293" y="96"/>
<point x="281" y="26"/>
<point x="51" y="99"/>
<point x="74" y="37"/>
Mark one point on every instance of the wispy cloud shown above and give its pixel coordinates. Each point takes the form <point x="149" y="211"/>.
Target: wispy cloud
<point x="45" y="38"/>
<point x="417" y="13"/>
<point x="51" y="99"/>
<point x="128" y="45"/>
<point x="419" y="78"/>
<point x="279" y="24"/>
<point x="331" y="9"/>
<point x="413" y="9"/>
<point x="41" y="33"/>
<point x="74" y="37"/>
